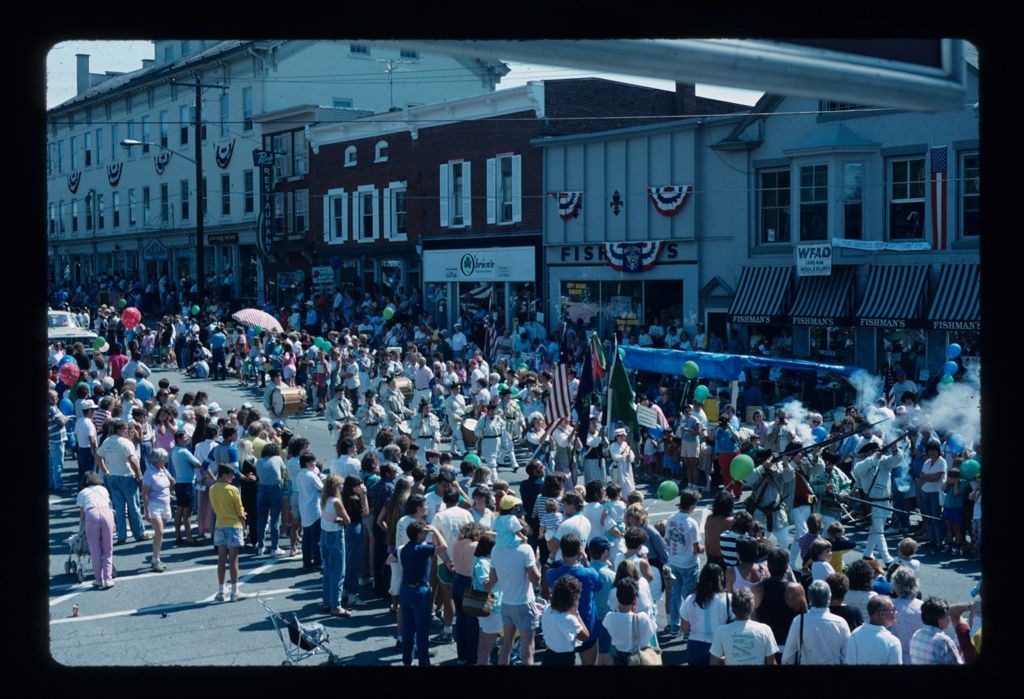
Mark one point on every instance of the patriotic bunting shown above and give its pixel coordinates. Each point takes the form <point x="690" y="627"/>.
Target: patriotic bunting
<point x="569" y="204"/>
<point x="161" y="161"/>
<point x="668" y="200"/>
<point x="632" y="257"/>
<point x="559" y="403"/>
<point x="73" y="179"/>
<point x="224" y="153"/>
<point x="114" y="173"/>
<point x="939" y="180"/>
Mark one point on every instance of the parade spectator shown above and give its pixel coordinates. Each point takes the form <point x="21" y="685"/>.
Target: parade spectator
<point x="872" y="643"/>
<point x="816" y="637"/>
<point x="743" y="642"/>
<point x="94" y="507"/>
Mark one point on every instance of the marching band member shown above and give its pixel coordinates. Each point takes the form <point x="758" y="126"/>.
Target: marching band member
<point x="426" y="429"/>
<point x="372" y="417"/>
<point x="768" y="481"/>
<point x="535" y="437"/>
<point x="455" y="411"/>
<point x="394" y="403"/>
<point x="339" y="409"/>
<point x="623" y="457"/>
<point x="873" y="474"/>
<point x="593" y="470"/>
<point x="806" y="467"/>
<point x="488" y="432"/>
<point x="565" y="440"/>
<point x="514" y="424"/>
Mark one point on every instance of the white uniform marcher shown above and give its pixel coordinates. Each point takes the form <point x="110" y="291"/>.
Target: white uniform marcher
<point x="426" y="429"/>
<point x="488" y="432"/>
<point x="807" y="468"/>
<point x="623" y="457"/>
<point x="371" y="418"/>
<point x="873" y="475"/>
<point x="767" y="484"/>
<point x="455" y="411"/>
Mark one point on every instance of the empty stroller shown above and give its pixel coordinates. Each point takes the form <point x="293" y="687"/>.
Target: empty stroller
<point x="79" y="558"/>
<point x="303" y="640"/>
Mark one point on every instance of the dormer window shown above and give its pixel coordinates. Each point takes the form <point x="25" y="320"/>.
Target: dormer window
<point x="380" y="152"/>
<point x="350" y="156"/>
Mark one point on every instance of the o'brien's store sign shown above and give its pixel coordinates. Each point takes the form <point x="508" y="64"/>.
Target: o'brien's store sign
<point x="484" y="265"/>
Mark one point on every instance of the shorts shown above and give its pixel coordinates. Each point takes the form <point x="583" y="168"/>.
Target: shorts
<point x="673" y="466"/>
<point x="228" y="536"/>
<point x="161" y="510"/>
<point x="689" y="450"/>
<point x="293" y="500"/>
<point x="183" y="492"/>
<point x="396" y="578"/>
<point x="523" y="616"/>
<point x="492" y="623"/>
<point x="604" y="639"/>
<point x="953" y="515"/>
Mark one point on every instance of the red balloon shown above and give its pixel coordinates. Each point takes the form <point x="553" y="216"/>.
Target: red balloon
<point x="131" y="317"/>
<point x="69" y="373"/>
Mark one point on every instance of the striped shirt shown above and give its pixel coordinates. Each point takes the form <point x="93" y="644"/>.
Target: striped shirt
<point x="930" y="646"/>
<point x="99" y="417"/>
<point x="56" y="425"/>
<point x="727" y="545"/>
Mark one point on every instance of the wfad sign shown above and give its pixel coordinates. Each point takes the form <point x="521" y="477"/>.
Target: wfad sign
<point x="814" y="260"/>
<point x="486" y="265"/>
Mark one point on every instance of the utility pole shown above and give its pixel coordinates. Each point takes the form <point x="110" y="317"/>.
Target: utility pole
<point x="200" y="234"/>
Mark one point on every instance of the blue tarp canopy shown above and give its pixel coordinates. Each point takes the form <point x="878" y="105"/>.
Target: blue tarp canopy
<point x="726" y="367"/>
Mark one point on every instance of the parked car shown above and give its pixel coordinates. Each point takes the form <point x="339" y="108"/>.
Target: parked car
<point x="64" y="327"/>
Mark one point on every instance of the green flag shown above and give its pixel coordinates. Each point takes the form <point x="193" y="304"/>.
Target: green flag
<point x="620" y="396"/>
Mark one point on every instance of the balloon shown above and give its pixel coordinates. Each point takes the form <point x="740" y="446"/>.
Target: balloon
<point x="98" y="342"/>
<point x="327" y="346"/>
<point x="131" y="317"/>
<point x="388" y="313"/>
<point x="66" y="406"/>
<point x="741" y="467"/>
<point x="64" y="360"/>
<point x="946" y="380"/>
<point x="953" y="351"/>
<point x="955" y="443"/>
<point x="690" y="370"/>
<point x="472" y="458"/>
<point x="668" y="491"/>
<point x="950" y="368"/>
<point x="656" y="432"/>
<point x="195" y="310"/>
<point x="622" y="353"/>
<point x="278" y="350"/>
<point x="318" y="341"/>
<point x="970" y="469"/>
<point x="123" y="303"/>
<point x="69" y="373"/>
<point x="523" y="367"/>
<point x="701" y="393"/>
<point x="63" y="296"/>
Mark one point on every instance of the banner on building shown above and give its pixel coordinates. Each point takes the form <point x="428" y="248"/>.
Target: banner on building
<point x="668" y="200"/>
<point x="223" y="153"/>
<point x="264" y="161"/>
<point x="632" y="257"/>
<point x="512" y="264"/>
<point x="323" y="278"/>
<point x="569" y="204"/>
<point x="114" y="171"/>
<point x="876" y="245"/>
<point x="73" y="179"/>
<point x="814" y="260"/>
<point x="160" y="162"/>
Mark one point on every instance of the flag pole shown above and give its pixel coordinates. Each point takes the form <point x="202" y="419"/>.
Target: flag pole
<point x="608" y="390"/>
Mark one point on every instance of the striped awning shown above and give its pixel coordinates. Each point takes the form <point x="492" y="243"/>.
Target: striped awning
<point x="762" y="296"/>
<point x="894" y="297"/>
<point x="957" y="301"/>
<point x="825" y="300"/>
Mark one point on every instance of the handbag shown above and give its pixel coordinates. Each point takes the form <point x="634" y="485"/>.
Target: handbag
<point x="644" y="656"/>
<point x="478" y="603"/>
<point x="800" y="649"/>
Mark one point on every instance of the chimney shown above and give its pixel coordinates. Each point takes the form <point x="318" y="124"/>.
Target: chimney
<point x="147" y="63"/>
<point x="686" y="99"/>
<point x="83" y="71"/>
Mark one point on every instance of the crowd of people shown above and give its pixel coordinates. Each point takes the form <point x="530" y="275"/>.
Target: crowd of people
<point x="411" y="507"/>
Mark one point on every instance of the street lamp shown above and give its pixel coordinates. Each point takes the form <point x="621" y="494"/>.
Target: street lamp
<point x="200" y="237"/>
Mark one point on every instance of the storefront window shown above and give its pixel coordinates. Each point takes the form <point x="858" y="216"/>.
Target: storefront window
<point x="970" y="345"/>
<point x="622" y="307"/>
<point x="348" y="274"/>
<point x="905" y="346"/>
<point x="475" y="299"/>
<point x="248" y="266"/>
<point x="391" y="274"/>
<point x="580" y="302"/>
<point x="435" y="302"/>
<point x="832" y="345"/>
<point x="522" y="302"/>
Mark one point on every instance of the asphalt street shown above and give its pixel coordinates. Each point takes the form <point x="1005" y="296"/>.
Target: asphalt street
<point x="171" y="618"/>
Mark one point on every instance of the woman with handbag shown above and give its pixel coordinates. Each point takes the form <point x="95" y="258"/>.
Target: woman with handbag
<point x="630" y="629"/>
<point x="483" y="600"/>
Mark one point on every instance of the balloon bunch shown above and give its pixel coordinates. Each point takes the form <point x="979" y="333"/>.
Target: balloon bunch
<point x="950" y="368"/>
<point x="323" y="345"/>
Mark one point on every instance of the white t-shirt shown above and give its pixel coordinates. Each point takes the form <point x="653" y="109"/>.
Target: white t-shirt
<point x="744" y="643"/>
<point x="93" y="496"/>
<point x="619" y="626"/>
<point x="435" y="504"/>
<point x="821" y="570"/>
<point x="309" y="486"/>
<point x="704" y="621"/>
<point x="344" y="466"/>
<point x="592" y="511"/>
<point x="644" y="602"/>
<point x="681" y="533"/>
<point x="449" y="521"/>
<point x="115" y="452"/>
<point x="560" y="629"/>
<point x="511" y="565"/>
<point x="83" y="428"/>
<point x="577" y="524"/>
<point x="930" y="468"/>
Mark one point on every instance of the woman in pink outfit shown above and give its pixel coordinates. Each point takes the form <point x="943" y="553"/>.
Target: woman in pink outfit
<point x="94" y="504"/>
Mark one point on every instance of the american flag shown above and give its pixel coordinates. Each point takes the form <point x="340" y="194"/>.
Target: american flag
<point x="559" y="403"/>
<point x="939" y="179"/>
<point x="491" y="335"/>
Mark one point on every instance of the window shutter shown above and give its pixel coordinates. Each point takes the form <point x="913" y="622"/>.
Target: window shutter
<point x="444" y="189"/>
<point x="343" y="233"/>
<point x="357" y="205"/>
<point x="387" y="213"/>
<point x="517" y="188"/>
<point x="328" y="218"/>
<point x="467" y="196"/>
<point x="376" y="213"/>
<point x="491" y="191"/>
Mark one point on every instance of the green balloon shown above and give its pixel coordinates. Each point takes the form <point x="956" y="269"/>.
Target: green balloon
<point x="741" y="467"/>
<point x="701" y="393"/>
<point x="690" y="370"/>
<point x="318" y="341"/>
<point x="98" y="342"/>
<point x="327" y="346"/>
<point x="388" y="313"/>
<point x="946" y="379"/>
<point x="195" y="310"/>
<point x="970" y="469"/>
<point x="668" y="491"/>
<point x="622" y="353"/>
<point x="123" y="304"/>
<point x="472" y="458"/>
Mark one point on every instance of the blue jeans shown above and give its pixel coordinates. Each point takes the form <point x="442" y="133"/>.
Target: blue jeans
<point x="698" y="653"/>
<point x="685" y="584"/>
<point x="467" y="628"/>
<point x="353" y="557"/>
<point x="218" y="370"/>
<point x="124" y="492"/>
<point x="268" y="504"/>
<point x="415" y="608"/>
<point x="311" y="545"/>
<point x="332" y="550"/>
<point x="56" y="464"/>
<point x="934" y="527"/>
<point x="86" y="462"/>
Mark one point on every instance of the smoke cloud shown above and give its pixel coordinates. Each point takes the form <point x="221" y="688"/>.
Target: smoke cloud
<point x="797" y="415"/>
<point x="957" y="408"/>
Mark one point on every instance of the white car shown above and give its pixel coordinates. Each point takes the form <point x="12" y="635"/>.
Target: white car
<point x="62" y="326"/>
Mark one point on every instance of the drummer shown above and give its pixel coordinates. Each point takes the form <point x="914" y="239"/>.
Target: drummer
<point x="455" y="411"/>
<point x="514" y="424"/>
<point x="339" y="409"/>
<point x="488" y="432"/>
<point x="276" y="384"/>
<point x="426" y="429"/>
<point x="394" y="402"/>
<point x="371" y="417"/>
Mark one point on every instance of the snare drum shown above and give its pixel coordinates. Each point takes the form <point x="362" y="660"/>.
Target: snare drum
<point x="468" y="434"/>
<point x="403" y="384"/>
<point x="404" y="428"/>
<point x="288" y="400"/>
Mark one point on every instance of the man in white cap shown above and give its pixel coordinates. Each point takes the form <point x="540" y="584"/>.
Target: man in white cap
<point x="455" y="411"/>
<point x="623" y="457"/>
<point x="426" y="429"/>
<point x="339" y="408"/>
<point x="873" y="473"/>
<point x="459" y="341"/>
<point x="488" y="431"/>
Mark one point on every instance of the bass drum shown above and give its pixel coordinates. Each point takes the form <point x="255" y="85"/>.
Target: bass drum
<point x="468" y="434"/>
<point x="288" y="400"/>
<point x="403" y="384"/>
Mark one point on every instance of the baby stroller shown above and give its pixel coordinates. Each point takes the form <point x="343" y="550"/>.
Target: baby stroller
<point x="300" y="640"/>
<point x="79" y="559"/>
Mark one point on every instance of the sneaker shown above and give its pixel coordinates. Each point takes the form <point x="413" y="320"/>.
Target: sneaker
<point x="278" y="552"/>
<point x="260" y="553"/>
<point x="98" y="585"/>
<point x="947" y="549"/>
<point x="956" y="551"/>
<point x="672" y="631"/>
<point x="219" y="597"/>
<point x="442" y="638"/>
<point x="236" y="595"/>
<point x="158" y="567"/>
<point x="145" y="537"/>
<point x="110" y="584"/>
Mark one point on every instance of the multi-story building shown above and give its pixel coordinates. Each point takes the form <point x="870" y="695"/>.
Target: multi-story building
<point x="447" y="198"/>
<point x="709" y="219"/>
<point x="134" y="209"/>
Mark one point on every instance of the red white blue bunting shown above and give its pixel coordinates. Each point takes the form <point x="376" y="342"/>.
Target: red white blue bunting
<point x="224" y="153"/>
<point x="114" y="173"/>
<point x="632" y="257"/>
<point x="569" y="204"/>
<point x="668" y="200"/>
<point x="161" y="161"/>
<point x="73" y="179"/>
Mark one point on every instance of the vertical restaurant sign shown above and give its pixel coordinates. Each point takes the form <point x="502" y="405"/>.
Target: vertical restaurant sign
<point x="264" y="161"/>
<point x="814" y="260"/>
